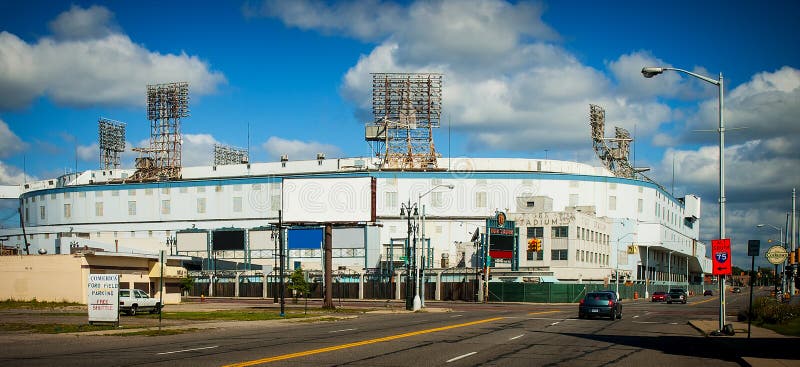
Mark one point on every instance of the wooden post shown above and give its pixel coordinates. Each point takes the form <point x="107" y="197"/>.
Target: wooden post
<point x="328" y="245"/>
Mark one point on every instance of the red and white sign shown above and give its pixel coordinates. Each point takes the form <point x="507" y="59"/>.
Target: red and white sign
<point x="721" y="257"/>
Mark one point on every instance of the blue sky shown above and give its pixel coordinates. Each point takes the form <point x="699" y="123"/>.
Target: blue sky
<point x="518" y="80"/>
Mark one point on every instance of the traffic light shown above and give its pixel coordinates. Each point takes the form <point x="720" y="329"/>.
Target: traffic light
<point x="534" y="245"/>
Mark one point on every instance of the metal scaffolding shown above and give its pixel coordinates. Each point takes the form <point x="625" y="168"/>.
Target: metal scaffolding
<point x="613" y="152"/>
<point x="224" y="154"/>
<point x="406" y="107"/>
<point x="111" y="136"/>
<point x="167" y="104"/>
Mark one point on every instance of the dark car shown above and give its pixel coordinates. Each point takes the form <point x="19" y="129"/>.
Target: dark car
<point x="603" y="304"/>
<point x="708" y="292"/>
<point x="677" y="295"/>
<point x="736" y="290"/>
<point x="659" y="297"/>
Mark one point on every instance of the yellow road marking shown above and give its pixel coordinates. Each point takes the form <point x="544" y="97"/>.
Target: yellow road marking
<point x="708" y="300"/>
<point x="543" y="312"/>
<point x="358" y="344"/>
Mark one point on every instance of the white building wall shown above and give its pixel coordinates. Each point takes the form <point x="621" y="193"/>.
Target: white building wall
<point x="481" y="187"/>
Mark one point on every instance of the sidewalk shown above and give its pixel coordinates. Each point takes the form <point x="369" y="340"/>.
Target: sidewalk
<point x="708" y="326"/>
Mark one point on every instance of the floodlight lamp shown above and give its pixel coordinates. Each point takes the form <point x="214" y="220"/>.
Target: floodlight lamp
<point x="402" y="211"/>
<point x="649" y="71"/>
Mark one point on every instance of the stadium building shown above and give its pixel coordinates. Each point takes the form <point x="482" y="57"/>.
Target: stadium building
<point x="590" y="224"/>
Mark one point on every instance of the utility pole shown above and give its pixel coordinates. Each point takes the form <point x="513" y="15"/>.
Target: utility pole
<point x="328" y="246"/>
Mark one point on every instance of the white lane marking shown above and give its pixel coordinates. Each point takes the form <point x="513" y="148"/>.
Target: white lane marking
<point x="456" y="315"/>
<point x="547" y="318"/>
<point x="555" y="323"/>
<point x="188" y="350"/>
<point x="517" y="337"/>
<point x="459" y="357"/>
<point x="646" y="322"/>
<point x="673" y="323"/>
<point x="339" y="331"/>
<point x="637" y="316"/>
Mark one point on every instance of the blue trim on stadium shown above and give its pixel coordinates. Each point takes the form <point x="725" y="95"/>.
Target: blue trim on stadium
<point x="376" y="174"/>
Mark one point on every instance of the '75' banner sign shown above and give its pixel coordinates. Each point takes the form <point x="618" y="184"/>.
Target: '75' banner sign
<point x="721" y="256"/>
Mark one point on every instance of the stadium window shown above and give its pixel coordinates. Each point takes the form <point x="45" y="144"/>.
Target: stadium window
<point x="560" y="232"/>
<point x="237" y="204"/>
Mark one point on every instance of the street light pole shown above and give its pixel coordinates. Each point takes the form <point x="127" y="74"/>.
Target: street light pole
<point x="426" y="245"/>
<point x="649" y="72"/>
<point x="405" y="209"/>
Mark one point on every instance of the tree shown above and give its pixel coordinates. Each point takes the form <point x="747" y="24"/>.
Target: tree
<point x="186" y="284"/>
<point x="298" y="283"/>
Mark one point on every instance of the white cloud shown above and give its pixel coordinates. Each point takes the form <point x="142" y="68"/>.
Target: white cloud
<point x="79" y="23"/>
<point x="10" y="143"/>
<point x="198" y="150"/>
<point x="10" y="175"/>
<point x="89" y="152"/>
<point x="87" y="63"/>
<point x="298" y="149"/>
<point x="767" y="106"/>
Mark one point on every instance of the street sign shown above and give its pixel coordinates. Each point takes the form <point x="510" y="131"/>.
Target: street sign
<point x="721" y="256"/>
<point x="753" y="247"/>
<point x="776" y="255"/>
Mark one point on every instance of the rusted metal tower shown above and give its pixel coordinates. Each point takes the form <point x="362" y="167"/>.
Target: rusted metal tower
<point x="613" y="152"/>
<point x="111" y="136"/>
<point x="406" y="107"/>
<point x="167" y="104"/>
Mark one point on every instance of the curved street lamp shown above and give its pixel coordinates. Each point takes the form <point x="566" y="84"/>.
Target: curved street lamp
<point x="649" y="72"/>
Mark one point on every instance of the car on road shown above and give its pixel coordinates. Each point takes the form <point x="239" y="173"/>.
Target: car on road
<point x="708" y="292"/>
<point x="132" y="301"/>
<point x="736" y="290"/>
<point x="677" y="295"/>
<point x="604" y="304"/>
<point x="659" y="297"/>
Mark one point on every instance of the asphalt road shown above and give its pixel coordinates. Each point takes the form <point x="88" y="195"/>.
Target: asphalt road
<point x="472" y="334"/>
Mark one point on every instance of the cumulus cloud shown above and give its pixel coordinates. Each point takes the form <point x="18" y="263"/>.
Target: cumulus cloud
<point x="298" y="149"/>
<point x="10" y="143"/>
<point x="88" y="62"/>
<point x="767" y="106"/>
<point x="507" y="79"/>
<point x="198" y="150"/>
<point x="10" y="175"/>
<point x="79" y="23"/>
<point x="89" y="152"/>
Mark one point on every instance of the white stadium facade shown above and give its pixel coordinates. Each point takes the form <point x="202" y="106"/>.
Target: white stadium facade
<point x="592" y="224"/>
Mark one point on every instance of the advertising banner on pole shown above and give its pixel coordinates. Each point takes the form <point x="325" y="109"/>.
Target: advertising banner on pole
<point x="721" y="256"/>
<point x="103" y="297"/>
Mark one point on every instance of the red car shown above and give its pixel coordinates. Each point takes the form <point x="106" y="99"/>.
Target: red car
<point x="659" y="297"/>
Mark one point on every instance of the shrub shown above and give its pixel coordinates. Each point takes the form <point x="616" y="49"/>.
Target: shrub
<point x="769" y="311"/>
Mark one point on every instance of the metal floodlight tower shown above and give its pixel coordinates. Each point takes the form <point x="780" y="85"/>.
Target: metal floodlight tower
<point x="224" y="154"/>
<point x="406" y="107"/>
<point x="167" y="104"/>
<point x="613" y="152"/>
<point x="111" y="136"/>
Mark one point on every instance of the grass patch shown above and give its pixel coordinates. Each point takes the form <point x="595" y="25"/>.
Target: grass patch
<point x="54" y="328"/>
<point x="11" y="304"/>
<point x="791" y="328"/>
